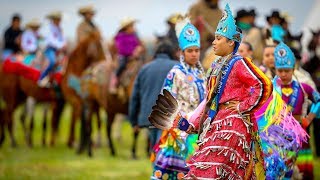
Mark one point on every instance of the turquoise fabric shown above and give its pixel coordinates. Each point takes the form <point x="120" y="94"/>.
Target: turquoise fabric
<point x="189" y="37"/>
<point x="284" y="57"/>
<point x="227" y="26"/>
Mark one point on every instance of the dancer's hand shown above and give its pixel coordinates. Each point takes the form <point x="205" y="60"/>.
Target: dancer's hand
<point x="306" y="121"/>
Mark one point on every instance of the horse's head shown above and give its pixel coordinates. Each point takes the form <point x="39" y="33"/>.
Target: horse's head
<point x="87" y="52"/>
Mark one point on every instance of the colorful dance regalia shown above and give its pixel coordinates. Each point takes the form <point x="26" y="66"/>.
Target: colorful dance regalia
<point x="258" y="139"/>
<point x="176" y="146"/>
<point x="187" y="84"/>
<point x="225" y="141"/>
<point x="230" y="146"/>
<point x="297" y="95"/>
<point x="225" y="148"/>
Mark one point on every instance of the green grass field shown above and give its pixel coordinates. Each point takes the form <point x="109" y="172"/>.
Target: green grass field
<point x="60" y="162"/>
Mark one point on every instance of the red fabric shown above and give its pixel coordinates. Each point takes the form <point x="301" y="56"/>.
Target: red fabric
<point x="247" y="85"/>
<point x="27" y="72"/>
<point x="20" y="69"/>
<point x="57" y="77"/>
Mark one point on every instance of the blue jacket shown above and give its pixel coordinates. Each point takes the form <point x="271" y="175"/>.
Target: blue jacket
<point x="147" y="87"/>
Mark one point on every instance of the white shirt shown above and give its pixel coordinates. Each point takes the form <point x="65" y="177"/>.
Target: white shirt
<point x="54" y="37"/>
<point x="29" y="41"/>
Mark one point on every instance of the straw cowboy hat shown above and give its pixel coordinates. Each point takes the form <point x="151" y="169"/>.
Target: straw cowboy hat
<point x="286" y="17"/>
<point x="34" y="23"/>
<point x="126" y="22"/>
<point x="86" y="9"/>
<point x="55" y="15"/>
<point x="174" y="18"/>
<point x="274" y="14"/>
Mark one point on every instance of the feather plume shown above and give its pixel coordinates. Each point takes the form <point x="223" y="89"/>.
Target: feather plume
<point x="165" y="112"/>
<point x="180" y="25"/>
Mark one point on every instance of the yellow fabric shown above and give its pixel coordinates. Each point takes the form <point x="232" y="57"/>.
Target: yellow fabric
<point x="287" y="91"/>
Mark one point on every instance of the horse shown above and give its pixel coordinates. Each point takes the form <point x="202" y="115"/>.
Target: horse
<point x="14" y="89"/>
<point x="98" y="93"/>
<point x="86" y="53"/>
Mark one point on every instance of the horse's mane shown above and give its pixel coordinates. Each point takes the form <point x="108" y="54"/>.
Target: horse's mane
<point x="78" y="56"/>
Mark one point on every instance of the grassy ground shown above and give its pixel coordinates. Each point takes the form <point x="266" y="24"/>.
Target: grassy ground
<point x="60" y="162"/>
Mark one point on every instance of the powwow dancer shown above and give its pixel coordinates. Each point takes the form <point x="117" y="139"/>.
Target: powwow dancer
<point x="186" y="81"/>
<point x="296" y="95"/>
<point x="229" y="131"/>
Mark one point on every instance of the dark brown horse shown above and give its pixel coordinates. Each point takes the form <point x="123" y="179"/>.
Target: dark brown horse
<point x="14" y="89"/>
<point x="98" y="93"/>
<point x="86" y="53"/>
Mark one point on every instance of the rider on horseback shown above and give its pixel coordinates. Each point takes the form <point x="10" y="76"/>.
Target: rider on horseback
<point x="30" y="38"/>
<point x="128" y="45"/>
<point x="12" y="37"/>
<point x="55" y="44"/>
<point x="87" y="26"/>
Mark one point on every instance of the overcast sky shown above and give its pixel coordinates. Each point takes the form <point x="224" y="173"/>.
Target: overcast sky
<point x="151" y="13"/>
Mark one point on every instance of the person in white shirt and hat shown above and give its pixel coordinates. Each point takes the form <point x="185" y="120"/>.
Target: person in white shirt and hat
<point x="86" y="27"/>
<point x="55" y="43"/>
<point x="30" y="37"/>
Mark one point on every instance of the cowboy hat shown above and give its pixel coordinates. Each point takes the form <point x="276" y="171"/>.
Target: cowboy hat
<point x="174" y="18"/>
<point x="34" y="23"/>
<point x="241" y="13"/>
<point x="244" y="13"/>
<point x="125" y="22"/>
<point x="86" y="9"/>
<point x="55" y="15"/>
<point x="274" y="14"/>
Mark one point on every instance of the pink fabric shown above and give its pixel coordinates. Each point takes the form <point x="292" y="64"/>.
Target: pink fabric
<point x="193" y="117"/>
<point x="126" y="43"/>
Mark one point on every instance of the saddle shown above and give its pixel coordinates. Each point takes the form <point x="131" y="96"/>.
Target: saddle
<point x="30" y="66"/>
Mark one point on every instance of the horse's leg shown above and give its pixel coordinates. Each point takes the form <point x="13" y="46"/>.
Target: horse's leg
<point x="96" y="111"/>
<point x="2" y="125"/>
<point x="44" y="124"/>
<point x="134" y="145"/>
<point x="118" y="125"/>
<point x="84" y="129"/>
<point x="109" y="125"/>
<point x="55" y="119"/>
<point x="76" y="113"/>
<point x="30" y="109"/>
<point x="23" y="118"/>
<point x="89" y="111"/>
<point x="9" y="123"/>
<point x="30" y="137"/>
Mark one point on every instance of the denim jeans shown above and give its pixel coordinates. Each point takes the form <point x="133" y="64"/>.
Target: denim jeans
<point x="123" y="60"/>
<point x="50" y="54"/>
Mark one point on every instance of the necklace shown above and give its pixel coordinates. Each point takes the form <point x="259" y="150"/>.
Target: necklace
<point x="192" y="77"/>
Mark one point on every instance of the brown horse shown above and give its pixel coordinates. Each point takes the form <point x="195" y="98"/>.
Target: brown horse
<point x="14" y="89"/>
<point x="96" y="84"/>
<point x="88" y="52"/>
